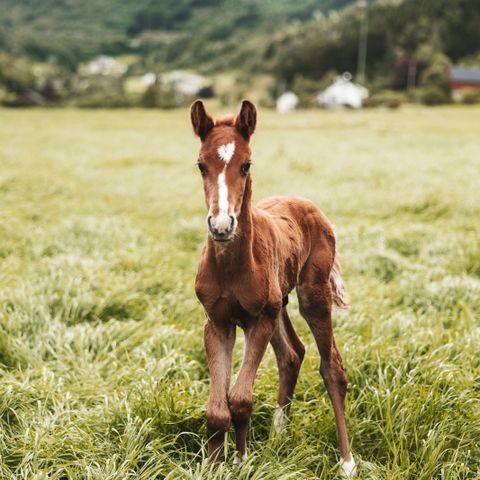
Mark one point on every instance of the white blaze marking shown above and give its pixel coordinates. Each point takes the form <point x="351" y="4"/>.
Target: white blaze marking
<point x="222" y="221"/>
<point x="348" y="468"/>
<point x="225" y="152"/>
<point x="222" y="194"/>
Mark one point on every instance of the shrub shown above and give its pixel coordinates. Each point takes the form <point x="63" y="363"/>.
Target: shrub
<point x="436" y="76"/>
<point x="385" y="98"/>
<point x="104" y="99"/>
<point x="432" y="95"/>
<point x="306" y="89"/>
<point x="16" y="74"/>
<point x="150" y="97"/>
<point x="159" y="96"/>
<point x="471" y="98"/>
<point x="435" y="86"/>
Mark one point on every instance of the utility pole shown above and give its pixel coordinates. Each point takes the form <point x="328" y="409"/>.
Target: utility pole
<point x="362" y="42"/>
<point x="412" y="73"/>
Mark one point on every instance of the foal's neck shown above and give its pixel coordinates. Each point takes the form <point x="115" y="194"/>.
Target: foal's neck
<point x="238" y="253"/>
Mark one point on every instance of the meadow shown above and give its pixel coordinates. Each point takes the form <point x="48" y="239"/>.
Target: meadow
<point x="102" y="220"/>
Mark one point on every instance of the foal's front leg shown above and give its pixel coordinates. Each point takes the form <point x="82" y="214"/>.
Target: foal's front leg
<point x="257" y="338"/>
<point x="219" y="340"/>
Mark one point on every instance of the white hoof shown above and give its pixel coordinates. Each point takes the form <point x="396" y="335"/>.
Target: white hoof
<point x="280" y="419"/>
<point x="348" y="468"/>
<point x="239" y="458"/>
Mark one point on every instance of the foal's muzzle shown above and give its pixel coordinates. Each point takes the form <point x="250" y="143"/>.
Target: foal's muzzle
<point x="221" y="227"/>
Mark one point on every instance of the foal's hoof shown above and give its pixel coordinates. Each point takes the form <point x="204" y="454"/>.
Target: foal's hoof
<point x="239" y="458"/>
<point x="280" y="419"/>
<point x="348" y="468"/>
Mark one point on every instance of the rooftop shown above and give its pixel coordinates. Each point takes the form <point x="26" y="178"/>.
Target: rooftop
<point x="465" y="74"/>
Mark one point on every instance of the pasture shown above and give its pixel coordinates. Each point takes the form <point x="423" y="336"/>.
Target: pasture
<point x="102" y="219"/>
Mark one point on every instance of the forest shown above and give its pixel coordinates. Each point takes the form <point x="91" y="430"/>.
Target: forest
<point x="299" y="46"/>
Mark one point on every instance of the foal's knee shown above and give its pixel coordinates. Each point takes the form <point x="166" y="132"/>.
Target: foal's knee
<point x="241" y="408"/>
<point x="218" y="421"/>
<point x="292" y="363"/>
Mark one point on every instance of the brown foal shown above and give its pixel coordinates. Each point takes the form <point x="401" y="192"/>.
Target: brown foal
<point x="253" y="258"/>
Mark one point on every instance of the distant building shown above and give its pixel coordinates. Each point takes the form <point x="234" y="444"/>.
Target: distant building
<point x="464" y="80"/>
<point x="287" y="102"/>
<point x="343" y="93"/>
<point x="148" y="79"/>
<point x="185" y="84"/>
<point x="105" y="65"/>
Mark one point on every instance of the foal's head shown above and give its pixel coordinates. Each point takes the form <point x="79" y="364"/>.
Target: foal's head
<point x="224" y="163"/>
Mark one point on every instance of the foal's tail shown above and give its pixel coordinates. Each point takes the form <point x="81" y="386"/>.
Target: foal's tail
<point x="338" y="289"/>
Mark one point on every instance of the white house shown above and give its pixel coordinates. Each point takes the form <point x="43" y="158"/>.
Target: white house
<point x="105" y="65"/>
<point x="343" y="93"/>
<point x="185" y="84"/>
<point x="148" y="79"/>
<point x="287" y="102"/>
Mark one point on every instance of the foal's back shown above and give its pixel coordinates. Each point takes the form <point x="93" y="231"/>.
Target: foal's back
<point x="302" y="233"/>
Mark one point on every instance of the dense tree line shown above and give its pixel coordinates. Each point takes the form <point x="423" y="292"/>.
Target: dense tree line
<point x="303" y="43"/>
<point x="409" y="30"/>
<point x="72" y="31"/>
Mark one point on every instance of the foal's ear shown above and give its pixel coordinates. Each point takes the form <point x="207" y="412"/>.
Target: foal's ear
<point x="202" y="122"/>
<point x="246" y="120"/>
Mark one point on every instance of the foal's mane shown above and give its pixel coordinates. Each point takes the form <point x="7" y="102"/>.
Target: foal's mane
<point x="225" y="121"/>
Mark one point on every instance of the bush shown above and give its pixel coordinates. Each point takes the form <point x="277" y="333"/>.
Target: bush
<point x="471" y="98"/>
<point x="434" y="82"/>
<point x="29" y="98"/>
<point x="385" y="98"/>
<point x="159" y="96"/>
<point x="16" y="74"/>
<point x="100" y="92"/>
<point x="306" y="89"/>
<point x="266" y="101"/>
<point x="432" y="95"/>
<point x="150" y="97"/>
<point x="104" y="99"/>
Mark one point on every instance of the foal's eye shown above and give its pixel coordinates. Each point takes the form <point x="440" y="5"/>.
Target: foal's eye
<point x="246" y="167"/>
<point x="202" y="167"/>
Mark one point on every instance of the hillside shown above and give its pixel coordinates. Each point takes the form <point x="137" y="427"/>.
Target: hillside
<point x="406" y="30"/>
<point x="171" y="32"/>
<point x="241" y="46"/>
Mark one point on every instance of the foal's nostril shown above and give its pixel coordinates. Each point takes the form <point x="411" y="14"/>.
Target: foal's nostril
<point x="221" y="227"/>
<point x="212" y="228"/>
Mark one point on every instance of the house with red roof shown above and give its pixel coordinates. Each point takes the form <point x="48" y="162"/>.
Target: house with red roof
<point x="464" y="80"/>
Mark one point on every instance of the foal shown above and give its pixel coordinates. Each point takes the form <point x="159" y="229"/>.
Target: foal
<point x="253" y="258"/>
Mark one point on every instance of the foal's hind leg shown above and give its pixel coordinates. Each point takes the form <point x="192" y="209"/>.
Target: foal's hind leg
<point x="289" y="351"/>
<point x="315" y="298"/>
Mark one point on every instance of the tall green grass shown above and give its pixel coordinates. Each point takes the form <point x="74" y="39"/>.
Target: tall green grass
<point x="103" y="374"/>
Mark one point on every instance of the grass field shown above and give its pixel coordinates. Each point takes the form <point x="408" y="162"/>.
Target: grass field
<point x="103" y="374"/>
